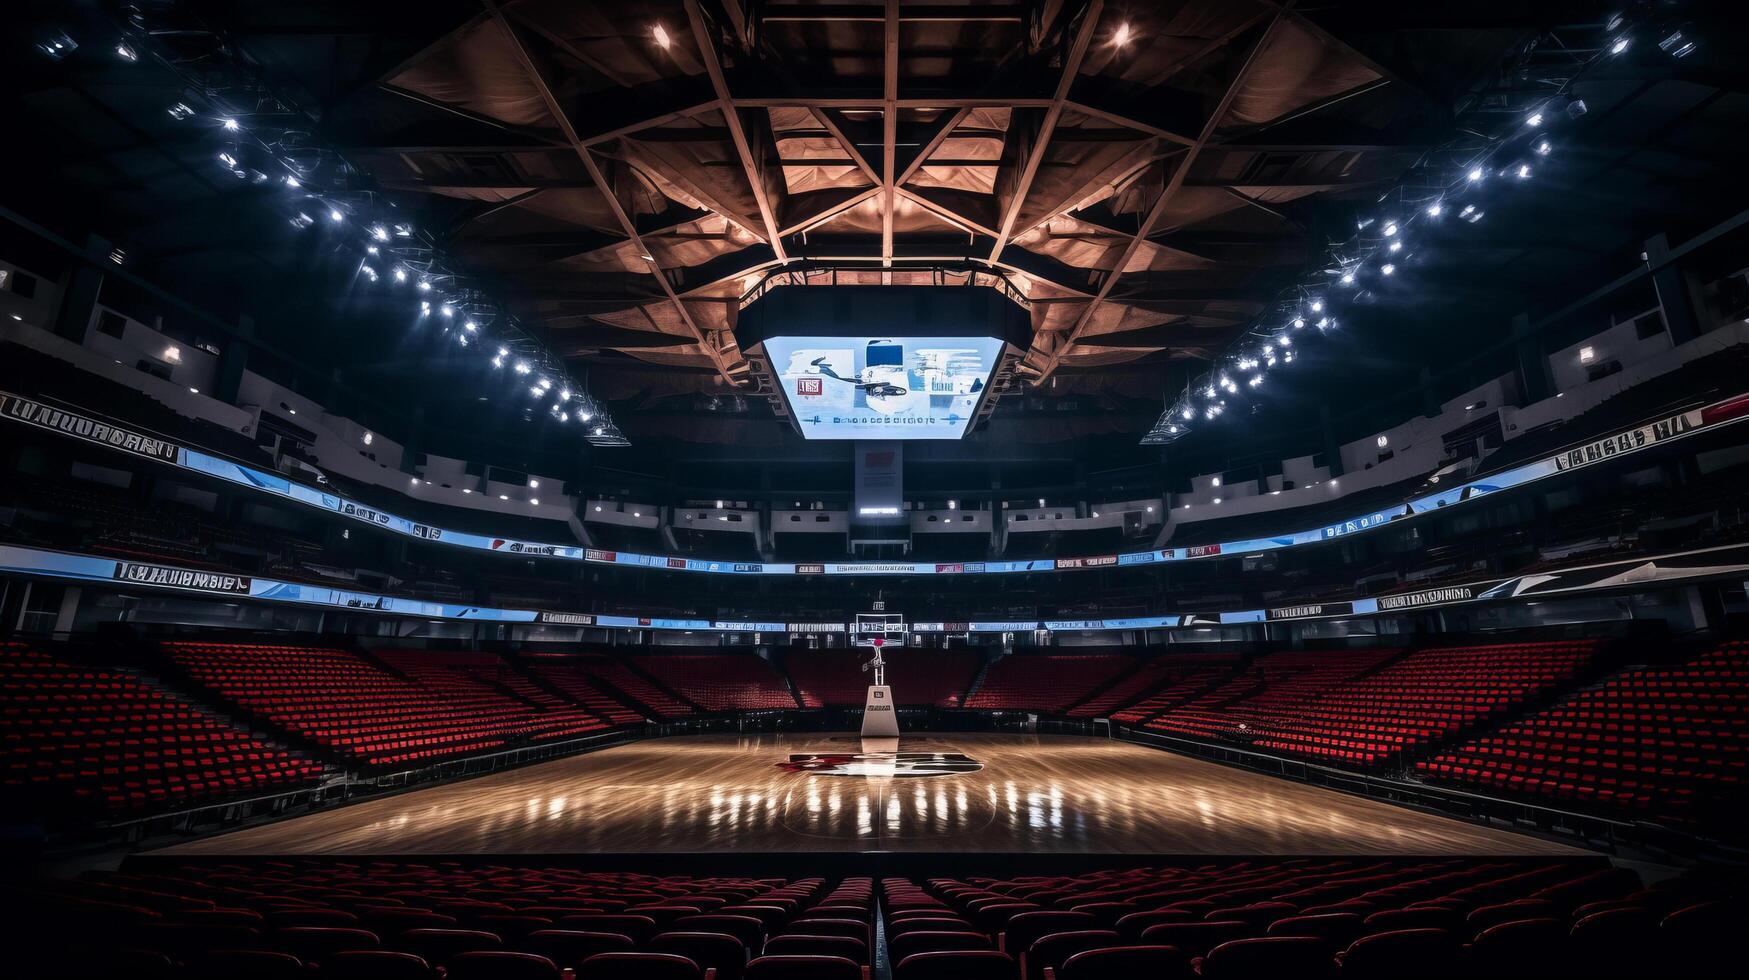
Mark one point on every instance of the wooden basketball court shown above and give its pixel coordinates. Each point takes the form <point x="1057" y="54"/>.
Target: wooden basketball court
<point x="1012" y="793"/>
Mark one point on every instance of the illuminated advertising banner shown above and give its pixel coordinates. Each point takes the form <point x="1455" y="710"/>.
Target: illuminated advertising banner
<point x="94" y="430"/>
<point x="883" y="388"/>
<point x="85" y="428"/>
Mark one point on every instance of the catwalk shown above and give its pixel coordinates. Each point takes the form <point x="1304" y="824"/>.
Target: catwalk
<point x="1011" y="793"/>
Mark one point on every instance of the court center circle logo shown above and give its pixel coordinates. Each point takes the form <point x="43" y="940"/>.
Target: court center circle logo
<point x="896" y="765"/>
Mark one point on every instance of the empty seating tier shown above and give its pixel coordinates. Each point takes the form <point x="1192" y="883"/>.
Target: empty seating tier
<point x="1045" y="682"/>
<point x="1349" y="716"/>
<point x="391" y="919"/>
<point x="1671" y="738"/>
<point x="357" y="709"/>
<point x="721" y="682"/>
<point x="115" y="743"/>
<point x="1322" y="917"/>
<point x="919" y="678"/>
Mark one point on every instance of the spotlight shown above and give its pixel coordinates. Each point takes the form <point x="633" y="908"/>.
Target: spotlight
<point x="293" y="183"/>
<point x="1299" y="322"/>
<point x="1396" y="246"/>
<point x="1323" y="322"/>
<point x="1388" y="269"/>
<point x="1348" y="276"/>
<point x="1475" y="174"/>
<point x="522" y="367"/>
<point x="1256" y="381"/>
<point x="1536" y="119"/>
<point x="302" y="220"/>
<point x="425" y="285"/>
<point x="1284" y="340"/>
<point x="180" y="111"/>
<point x="498" y="362"/>
<point x="369" y="272"/>
<point x="1185" y="414"/>
<point x="1435" y="209"/>
<point x="379" y="233"/>
<point x="231" y="125"/>
<point x="126" y="53"/>
<point x="1523" y="171"/>
<point x="1317" y="306"/>
<point x="58" y="45"/>
<point x="1122" y="37"/>
<point x="564" y="394"/>
<point x="1390" y="229"/>
<point x="584" y="417"/>
<point x="471" y="326"/>
<point x="1468" y="210"/>
<point x="447" y="310"/>
<point x="660" y="34"/>
<point x="1620" y="45"/>
<point x="227" y="159"/>
<point x="335" y="215"/>
<point x="1472" y="219"/>
<point x="424" y="307"/>
<point x="1676" y="46"/>
<point x="372" y="250"/>
<point x="400" y="275"/>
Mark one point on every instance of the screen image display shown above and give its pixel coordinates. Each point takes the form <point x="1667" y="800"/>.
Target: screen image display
<point x="883" y="387"/>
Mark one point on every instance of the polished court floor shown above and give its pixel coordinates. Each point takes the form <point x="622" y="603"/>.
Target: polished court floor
<point x="696" y="794"/>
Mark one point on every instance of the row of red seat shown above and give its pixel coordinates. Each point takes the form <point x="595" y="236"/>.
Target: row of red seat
<point x="1350" y="715"/>
<point x="919" y="678"/>
<point x="1318" y="918"/>
<point x="1267" y="917"/>
<point x="720" y="681"/>
<point x="119" y="744"/>
<point x="383" y="919"/>
<point x="1674" y="738"/>
<point x="367" y="714"/>
<point x="1047" y="683"/>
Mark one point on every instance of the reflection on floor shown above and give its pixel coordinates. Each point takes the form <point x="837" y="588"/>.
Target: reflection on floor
<point x="1056" y="794"/>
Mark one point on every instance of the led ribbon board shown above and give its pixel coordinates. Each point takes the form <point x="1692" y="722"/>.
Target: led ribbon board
<point x="1718" y="562"/>
<point x="74" y="424"/>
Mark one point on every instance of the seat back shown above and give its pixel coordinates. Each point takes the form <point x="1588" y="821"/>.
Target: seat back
<point x="639" y="966"/>
<point x="1019" y="933"/>
<point x="1268" y="958"/>
<point x="438" y="945"/>
<point x="375" y="964"/>
<point x="746" y="928"/>
<point x="1195" y="938"/>
<point x="1336" y="928"/>
<point x="639" y="927"/>
<point x="224" y="964"/>
<point x="1132" y="926"/>
<point x="568" y="948"/>
<point x="313" y="943"/>
<point x="710" y="950"/>
<point x="803" y="968"/>
<point x="846" y="946"/>
<point x="899" y="947"/>
<point x="1525" y="947"/>
<point x="1152" y="962"/>
<point x="1052" y="950"/>
<point x="1403" y="953"/>
<point x="956" y="964"/>
<point x="496" y="964"/>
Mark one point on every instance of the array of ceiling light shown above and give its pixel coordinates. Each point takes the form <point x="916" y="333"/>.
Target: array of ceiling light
<point x="1451" y="183"/>
<point x="263" y="141"/>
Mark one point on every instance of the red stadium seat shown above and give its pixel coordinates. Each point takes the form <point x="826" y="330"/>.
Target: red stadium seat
<point x="803" y="968"/>
<point x="640" y="966"/>
<point x="1269" y="958"/>
<point x="500" y="965"/>
<point x="959" y="964"/>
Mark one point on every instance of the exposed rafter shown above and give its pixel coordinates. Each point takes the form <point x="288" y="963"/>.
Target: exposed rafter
<point x="1054" y="357"/>
<point x="1054" y="112"/>
<point x="706" y="341"/>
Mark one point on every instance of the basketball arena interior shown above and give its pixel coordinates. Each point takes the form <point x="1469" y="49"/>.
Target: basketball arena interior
<point x="888" y="490"/>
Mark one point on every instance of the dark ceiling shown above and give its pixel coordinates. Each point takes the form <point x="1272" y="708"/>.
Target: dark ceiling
<point x="1149" y="176"/>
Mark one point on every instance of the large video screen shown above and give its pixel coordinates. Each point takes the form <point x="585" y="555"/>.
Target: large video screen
<point x="884" y="387"/>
